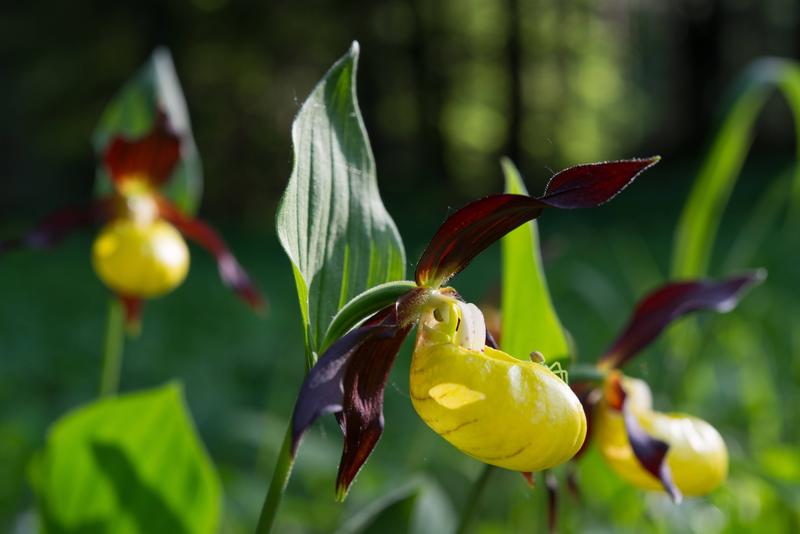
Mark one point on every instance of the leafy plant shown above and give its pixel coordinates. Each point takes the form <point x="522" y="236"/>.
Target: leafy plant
<point x="131" y="463"/>
<point x="699" y="222"/>
<point x="331" y="221"/>
<point x="528" y="317"/>
<point x="359" y="333"/>
<point x="134" y="463"/>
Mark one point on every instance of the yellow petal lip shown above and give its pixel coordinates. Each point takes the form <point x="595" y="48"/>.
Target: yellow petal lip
<point x="136" y="259"/>
<point x="455" y="396"/>
<point x="697" y="456"/>
<point x="506" y="412"/>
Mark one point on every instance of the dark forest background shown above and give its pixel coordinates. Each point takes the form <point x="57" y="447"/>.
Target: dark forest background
<point x="446" y="87"/>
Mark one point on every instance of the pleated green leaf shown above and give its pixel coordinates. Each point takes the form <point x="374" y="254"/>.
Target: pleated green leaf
<point x="131" y="114"/>
<point x="529" y="320"/>
<point x="331" y="220"/>
<point x="127" y="464"/>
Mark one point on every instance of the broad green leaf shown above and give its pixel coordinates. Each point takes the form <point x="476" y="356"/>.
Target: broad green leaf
<point x="131" y="114"/>
<point x="529" y="320"/>
<point x="127" y="464"/>
<point x="418" y="506"/>
<point x="331" y="221"/>
<point x="699" y="222"/>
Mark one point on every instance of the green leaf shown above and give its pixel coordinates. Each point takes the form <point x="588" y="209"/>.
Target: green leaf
<point x="331" y="221"/>
<point x="417" y="506"/>
<point x="699" y="222"/>
<point x="127" y="464"/>
<point x="131" y="114"/>
<point x="529" y="320"/>
<point x="362" y="306"/>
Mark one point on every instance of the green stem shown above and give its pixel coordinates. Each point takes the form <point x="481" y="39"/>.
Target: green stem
<point x="359" y="307"/>
<point x="470" y="511"/>
<point x="280" y="478"/>
<point x="586" y="373"/>
<point x="112" y="349"/>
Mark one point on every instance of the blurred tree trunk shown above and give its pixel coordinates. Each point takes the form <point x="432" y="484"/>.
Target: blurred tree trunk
<point x="430" y="86"/>
<point x="704" y="58"/>
<point x="514" y="58"/>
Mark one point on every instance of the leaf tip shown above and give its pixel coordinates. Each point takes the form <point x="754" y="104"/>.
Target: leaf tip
<point x="162" y="54"/>
<point x="759" y="276"/>
<point x="341" y="491"/>
<point x="355" y="49"/>
<point x="507" y="163"/>
<point x="675" y="495"/>
<point x="512" y="176"/>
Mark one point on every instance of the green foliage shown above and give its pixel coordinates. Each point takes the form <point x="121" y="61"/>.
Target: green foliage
<point x="129" y="464"/>
<point x="331" y="221"/>
<point x="530" y="321"/>
<point x="699" y="222"/>
<point x="131" y="114"/>
<point x="364" y="305"/>
<point x="417" y="507"/>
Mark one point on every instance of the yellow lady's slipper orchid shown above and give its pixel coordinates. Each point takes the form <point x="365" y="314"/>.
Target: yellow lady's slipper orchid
<point x="500" y="410"/>
<point x="697" y="455"/>
<point x="141" y="252"/>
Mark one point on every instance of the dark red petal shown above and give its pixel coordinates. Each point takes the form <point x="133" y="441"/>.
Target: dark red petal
<point x="528" y="476"/>
<point x="470" y="230"/>
<point x="232" y="274"/>
<point x="657" y="310"/>
<point x="133" y="314"/>
<point x="57" y="226"/>
<point x="490" y="342"/>
<point x="349" y="380"/>
<point x="593" y="184"/>
<point x="362" y="415"/>
<point x="321" y="391"/>
<point x="151" y="158"/>
<point x="573" y="486"/>
<point x="589" y="395"/>
<point x="651" y="452"/>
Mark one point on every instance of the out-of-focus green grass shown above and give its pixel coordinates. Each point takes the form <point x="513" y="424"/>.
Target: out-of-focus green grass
<point x="242" y="372"/>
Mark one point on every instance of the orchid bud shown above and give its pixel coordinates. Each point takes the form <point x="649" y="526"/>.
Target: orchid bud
<point x="696" y="456"/>
<point x="138" y="259"/>
<point x="500" y="410"/>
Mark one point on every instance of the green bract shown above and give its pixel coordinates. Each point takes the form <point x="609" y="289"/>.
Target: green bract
<point x="331" y="221"/>
<point x="529" y="320"/>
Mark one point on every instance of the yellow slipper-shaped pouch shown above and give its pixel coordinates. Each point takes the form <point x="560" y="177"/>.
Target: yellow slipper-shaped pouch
<point x="697" y="455"/>
<point x="495" y="408"/>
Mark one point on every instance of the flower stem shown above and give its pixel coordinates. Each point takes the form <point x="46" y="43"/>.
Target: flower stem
<point x="112" y="349"/>
<point x="470" y="510"/>
<point x="280" y="478"/>
<point x="586" y="373"/>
